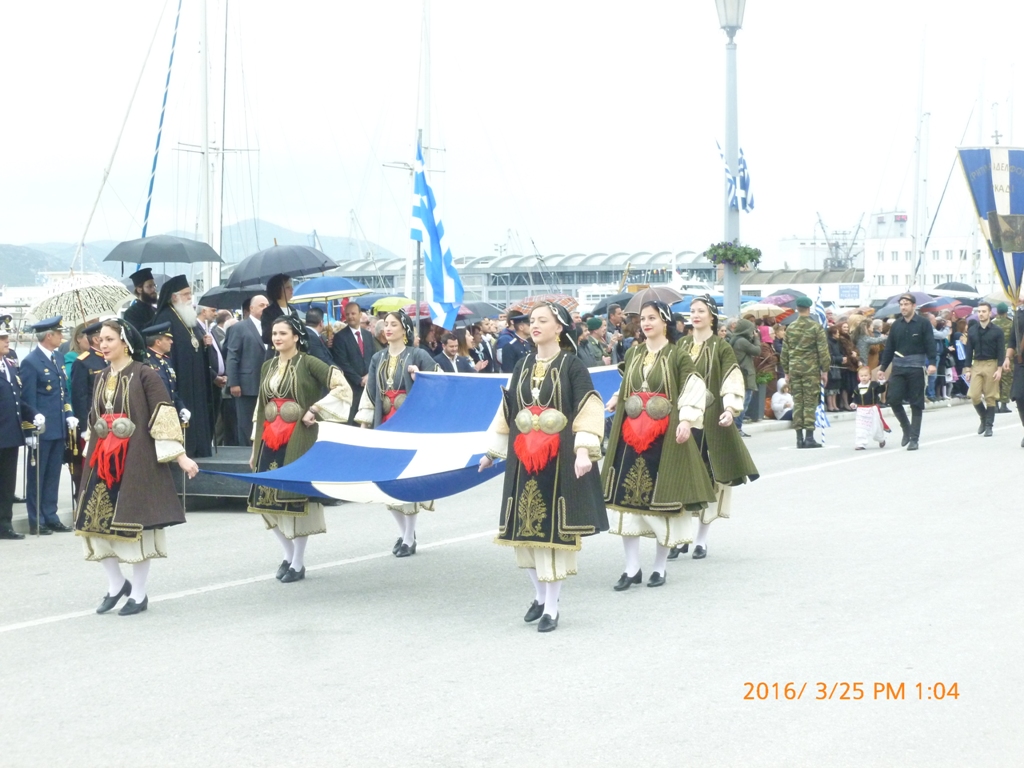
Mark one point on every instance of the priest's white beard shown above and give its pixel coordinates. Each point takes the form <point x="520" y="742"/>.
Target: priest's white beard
<point x="186" y="312"/>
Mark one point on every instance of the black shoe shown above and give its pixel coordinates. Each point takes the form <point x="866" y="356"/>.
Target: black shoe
<point x="547" y="624"/>
<point x="10" y="533"/>
<point x="1003" y="409"/>
<point x="405" y="550"/>
<point x="1022" y="443"/>
<point x="109" y="601"/>
<point x="131" y="607"/>
<point x="625" y="582"/>
<point x="398" y="543"/>
<point x="799" y="438"/>
<point x="18" y="500"/>
<point x="656" y="580"/>
<point x="905" y="440"/>
<point x="58" y="527"/>
<point x="293" y="575"/>
<point x="282" y="569"/>
<point x="39" y="530"/>
<point x="912" y="446"/>
<point x="535" y="611"/>
<point x="810" y="442"/>
<point x="699" y="552"/>
<point x="673" y="553"/>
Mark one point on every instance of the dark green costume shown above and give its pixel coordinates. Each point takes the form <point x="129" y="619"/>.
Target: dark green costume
<point x="552" y="508"/>
<point x="805" y="357"/>
<point x="1006" y="380"/>
<point x="667" y="477"/>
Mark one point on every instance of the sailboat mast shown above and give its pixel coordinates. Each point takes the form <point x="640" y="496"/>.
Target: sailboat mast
<point x="916" y="219"/>
<point x="204" y="118"/>
<point x="215" y="271"/>
<point x="423" y="141"/>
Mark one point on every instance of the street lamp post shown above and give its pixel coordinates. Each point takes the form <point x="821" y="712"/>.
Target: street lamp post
<point x="730" y="18"/>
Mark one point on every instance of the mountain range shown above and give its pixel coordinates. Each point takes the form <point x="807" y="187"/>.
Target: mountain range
<point x="22" y="264"/>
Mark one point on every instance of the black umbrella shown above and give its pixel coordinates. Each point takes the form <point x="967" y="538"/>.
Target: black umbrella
<point x="224" y="297"/>
<point x="480" y="310"/>
<point x="291" y="260"/>
<point x="163" y="249"/>
<point x="956" y="287"/>
<point x="890" y="310"/>
<point x="620" y="298"/>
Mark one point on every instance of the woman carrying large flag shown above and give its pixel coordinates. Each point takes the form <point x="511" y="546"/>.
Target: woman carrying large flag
<point x="726" y="459"/>
<point x="289" y="404"/>
<point x="552" y="419"/>
<point x="390" y="377"/>
<point x="654" y="478"/>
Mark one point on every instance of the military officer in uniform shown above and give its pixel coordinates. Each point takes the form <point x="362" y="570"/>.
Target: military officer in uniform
<point x="44" y="389"/>
<point x="17" y="421"/>
<point x="1005" y="324"/>
<point x="84" y="370"/>
<point x="805" y="360"/>
<point x="143" y="309"/>
<point x="159" y="340"/>
<point x="518" y="347"/>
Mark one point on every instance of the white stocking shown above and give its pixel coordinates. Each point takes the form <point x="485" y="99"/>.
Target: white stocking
<point x="115" y="579"/>
<point x="299" y="549"/>
<point x="632" y="546"/>
<point x="661" y="559"/>
<point x="409" y="532"/>
<point x="538" y="590"/>
<point x="702" y="535"/>
<point x="140" y="573"/>
<point x="551" y="598"/>
<point x="286" y="544"/>
<point x="400" y="519"/>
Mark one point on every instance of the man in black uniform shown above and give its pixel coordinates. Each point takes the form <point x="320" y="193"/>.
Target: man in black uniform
<point x="519" y="346"/>
<point x="84" y="370"/>
<point x="17" y="421"/>
<point x="159" y="340"/>
<point x="983" y="359"/>
<point x="143" y="309"/>
<point x="909" y="348"/>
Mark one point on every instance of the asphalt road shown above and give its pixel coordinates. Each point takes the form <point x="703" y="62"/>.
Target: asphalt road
<point x="873" y="567"/>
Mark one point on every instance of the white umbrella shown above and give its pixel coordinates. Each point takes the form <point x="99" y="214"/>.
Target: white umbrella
<point x="81" y="297"/>
<point x="762" y="310"/>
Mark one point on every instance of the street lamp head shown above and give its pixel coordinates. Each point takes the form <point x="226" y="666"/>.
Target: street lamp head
<point x="730" y="15"/>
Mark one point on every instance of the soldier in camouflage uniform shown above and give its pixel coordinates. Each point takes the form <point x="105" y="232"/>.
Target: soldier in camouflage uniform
<point x="805" y="360"/>
<point x="1002" y="319"/>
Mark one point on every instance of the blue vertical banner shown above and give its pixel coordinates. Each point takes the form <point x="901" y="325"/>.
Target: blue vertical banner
<point x="443" y="285"/>
<point x="995" y="177"/>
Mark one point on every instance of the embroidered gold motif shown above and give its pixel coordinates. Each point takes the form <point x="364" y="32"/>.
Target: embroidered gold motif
<point x="266" y="498"/>
<point x="165" y="424"/>
<point x="99" y="512"/>
<point x="272" y="465"/>
<point x="638" y="485"/>
<point x="531" y="511"/>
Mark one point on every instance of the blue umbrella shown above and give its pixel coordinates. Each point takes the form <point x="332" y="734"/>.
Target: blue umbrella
<point x="327" y="288"/>
<point x="684" y="305"/>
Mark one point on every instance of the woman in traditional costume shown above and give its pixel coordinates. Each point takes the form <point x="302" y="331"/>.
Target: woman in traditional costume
<point x="389" y="379"/>
<point x="654" y="477"/>
<point x="291" y="385"/>
<point x="128" y="495"/>
<point x="725" y="456"/>
<point x="553" y="421"/>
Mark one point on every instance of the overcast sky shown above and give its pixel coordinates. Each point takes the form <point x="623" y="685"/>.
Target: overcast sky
<point x="584" y="126"/>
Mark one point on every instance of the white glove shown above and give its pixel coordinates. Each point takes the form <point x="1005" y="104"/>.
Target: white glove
<point x="185" y="415"/>
<point x="39" y="420"/>
<point x="31" y="442"/>
<point x="72" y="422"/>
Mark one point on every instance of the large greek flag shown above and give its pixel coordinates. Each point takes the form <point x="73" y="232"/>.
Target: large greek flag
<point x="995" y="177"/>
<point x="730" y="180"/>
<point x="745" y="194"/>
<point x="443" y="285"/>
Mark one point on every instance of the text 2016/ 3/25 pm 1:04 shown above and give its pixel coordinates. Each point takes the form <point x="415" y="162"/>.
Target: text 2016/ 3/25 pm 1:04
<point x="851" y="691"/>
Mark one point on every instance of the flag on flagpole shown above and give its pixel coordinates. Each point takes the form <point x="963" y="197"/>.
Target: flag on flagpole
<point x="730" y="180"/>
<point x="821" y="422"/>
<point x="443" y="288"/>
<point x="746" y="196"/>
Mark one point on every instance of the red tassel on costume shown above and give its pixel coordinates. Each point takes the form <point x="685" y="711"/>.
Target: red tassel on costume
<point x="641" y="432"/>
<point x="536" y="449"/>
<point x="278" y="432"/>
<point x="108" y="457"/>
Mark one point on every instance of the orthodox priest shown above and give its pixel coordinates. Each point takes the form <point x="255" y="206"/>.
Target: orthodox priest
<point x="142" y="311"/>
<point x="189" y="358"/>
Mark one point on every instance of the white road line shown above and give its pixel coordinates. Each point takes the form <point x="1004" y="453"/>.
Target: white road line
<point x="442" y="543"/>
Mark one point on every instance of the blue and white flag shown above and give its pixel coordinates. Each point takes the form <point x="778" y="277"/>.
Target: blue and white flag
<point x="995" y="177"/>
<point x="443" y="286"/>
<point x="746" y="196"/>
<point x="821" y="422"/>
<point x="730" y="180"/>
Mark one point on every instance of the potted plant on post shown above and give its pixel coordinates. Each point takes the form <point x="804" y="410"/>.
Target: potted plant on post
<point x="732" y="254"/>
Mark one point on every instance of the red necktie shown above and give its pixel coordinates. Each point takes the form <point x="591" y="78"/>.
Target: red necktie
<point x="359" y="341"/>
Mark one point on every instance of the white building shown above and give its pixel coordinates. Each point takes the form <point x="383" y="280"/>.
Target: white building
<point x="889" y="263"/>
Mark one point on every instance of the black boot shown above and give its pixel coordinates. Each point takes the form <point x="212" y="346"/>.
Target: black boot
<point x="990" y="418"/>
<point x="916" y="416"/>
<point x="901" y="416"/>
<point x="809" y="441"/>
<point x="983" y="414"/>
<point x="1002" y="408"/>
<point x="799" y="438"/>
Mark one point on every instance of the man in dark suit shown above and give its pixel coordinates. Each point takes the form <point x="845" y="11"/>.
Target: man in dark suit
<point x="314" y="332"/>
<point x="449" y="360"/>
<point x="44" y="389"/>
<point x="484" y="347"/>
<point x="17" y="420"/>
<point x="245" y="357"/>
<point x="143" y="309"/>
<point x="352" y="348"/>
